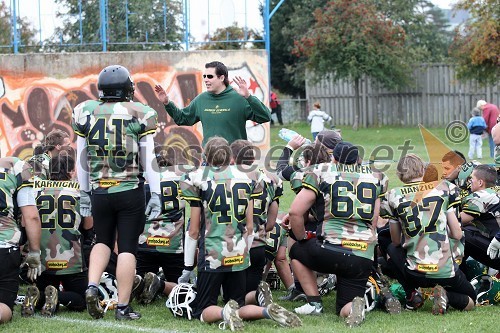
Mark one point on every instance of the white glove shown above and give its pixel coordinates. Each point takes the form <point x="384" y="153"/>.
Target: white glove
<point x="153" y="209"/>
<point x="85" y="204"/>
<point x="494" y="249"/>
<point x="34" y="265"/>
<point x="185" y="277"/>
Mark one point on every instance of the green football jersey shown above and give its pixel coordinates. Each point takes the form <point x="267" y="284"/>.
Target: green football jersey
<point x="14" y="175"/>
<point x="421" y="210"/>
<point x="58" y="204"/>
<point x="272" y="191"/>
<point x="224" y="194"/>
<point x="112" y="132"/>
<point x="345" y="204"/>
<point x="166" y="233"/>
<point x="484" y="206"/>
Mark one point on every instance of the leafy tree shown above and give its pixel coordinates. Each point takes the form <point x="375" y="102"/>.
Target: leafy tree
<point x="350" y="39"/>
<point x="427" y="37"/>
<point x="476" y="45"/>
<point x="232" y="38"/>
<point x="26" y="33"/>
<point x="146" y="25"/>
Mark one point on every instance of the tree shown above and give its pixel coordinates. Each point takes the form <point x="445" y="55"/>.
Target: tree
<point x="232" y="38"/>
<point x="476" y="45"/>
<point x="350" y="39"/>
<point x="427" y="37"/>
<point x="26" y="33"/>
<point x="148" y="28"/>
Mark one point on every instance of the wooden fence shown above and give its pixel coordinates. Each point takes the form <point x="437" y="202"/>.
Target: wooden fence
<point x="435" y="98"/>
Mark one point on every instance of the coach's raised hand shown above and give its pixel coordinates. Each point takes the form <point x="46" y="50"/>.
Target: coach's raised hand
<point x="161" y="94"/>
<point x="242" y="86"/>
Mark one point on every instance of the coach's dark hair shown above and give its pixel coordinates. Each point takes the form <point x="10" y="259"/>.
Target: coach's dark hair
<point x="486" y="173"/>
<point x="217" y="152"/>
<point x="243" y="152"/>
<point x="454" y="157"/>
<point x="220" y="69"/>
<point x="61" y="166"/>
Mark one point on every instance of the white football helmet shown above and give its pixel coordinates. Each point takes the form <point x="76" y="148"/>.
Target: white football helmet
<point x="179" y="300"/>
<point x="108" y="289"/>
<point x="372" y="294"/>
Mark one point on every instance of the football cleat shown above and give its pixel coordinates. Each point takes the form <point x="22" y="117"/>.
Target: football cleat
<point x="230" y="317"/>
<point x="94" y="307"/>
<point x="282" y="316"/>
<point x="415" y="301"/>
<point x="293" y="295"/>
<point x="263" y="294"/>
<point x="30" y="301"/>
<point x="51" y="301"/>
<point x="152" y="285"/>
<point x="391" y="303"/>
<point x="127" y="314"/>
<point x="440" y="302"/>
<point x="311" y="308"/>
<point x="137" y="287"/>
<point x="357" y="315"/>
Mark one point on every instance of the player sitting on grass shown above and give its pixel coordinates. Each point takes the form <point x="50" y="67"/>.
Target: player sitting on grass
<point x="422" y="217"/>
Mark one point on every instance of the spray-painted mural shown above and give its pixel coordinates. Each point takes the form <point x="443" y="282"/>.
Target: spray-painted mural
<point x="33" y="104"/>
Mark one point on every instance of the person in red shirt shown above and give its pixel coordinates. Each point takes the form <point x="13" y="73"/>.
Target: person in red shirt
<point x="490" y="115"/>
<point x="275" y="108"/>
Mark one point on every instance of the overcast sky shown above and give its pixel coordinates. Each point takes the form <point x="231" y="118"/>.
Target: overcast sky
<point x="222" y="13"/>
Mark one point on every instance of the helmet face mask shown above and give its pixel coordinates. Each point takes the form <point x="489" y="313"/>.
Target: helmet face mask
<point x="179" y="300"/>
<point x="487" y="289"/>
<point x="115" y="84"/>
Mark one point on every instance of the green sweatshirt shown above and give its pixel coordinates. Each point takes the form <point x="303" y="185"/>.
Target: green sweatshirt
<point x="223" y="114"/>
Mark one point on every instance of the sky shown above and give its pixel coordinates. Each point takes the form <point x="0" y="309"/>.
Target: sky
<point x="205" y="14"/>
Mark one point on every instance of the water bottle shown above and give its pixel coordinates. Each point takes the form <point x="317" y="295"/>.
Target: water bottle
<point x="287" y="135"/>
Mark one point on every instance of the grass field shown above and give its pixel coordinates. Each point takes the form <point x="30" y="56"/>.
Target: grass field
<point x="157" y="318"/>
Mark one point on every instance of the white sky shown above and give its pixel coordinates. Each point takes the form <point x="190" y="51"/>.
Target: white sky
<point x="222" y="13"/>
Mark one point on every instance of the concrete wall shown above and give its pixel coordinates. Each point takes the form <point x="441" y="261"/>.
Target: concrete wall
<point x="38" y="91"/>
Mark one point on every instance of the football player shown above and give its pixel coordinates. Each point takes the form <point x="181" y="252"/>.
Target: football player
<point x="58" y="203"/>
<point x="224" y="194"/>
<point x="265" y="212"/>
<point x="481" y="215"/>
<point x="114" y="145"/>
<point x="344" y="197"/>
<point x="16" y="188"/>
<point x="161" y="242"/>
<point x="422" y="221"/>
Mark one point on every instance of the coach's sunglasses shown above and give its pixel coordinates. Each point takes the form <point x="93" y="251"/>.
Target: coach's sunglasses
<point x="208" y="76"/>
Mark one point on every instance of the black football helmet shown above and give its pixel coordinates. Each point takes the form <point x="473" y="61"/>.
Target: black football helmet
<point x="115" y="84"/>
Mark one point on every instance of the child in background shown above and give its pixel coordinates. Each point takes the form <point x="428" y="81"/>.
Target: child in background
<point x="317" y="118"/>
<point x="476" y="127"/>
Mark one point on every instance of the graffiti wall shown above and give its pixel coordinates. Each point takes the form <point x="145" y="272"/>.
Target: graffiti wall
<point x="38" y="92"/>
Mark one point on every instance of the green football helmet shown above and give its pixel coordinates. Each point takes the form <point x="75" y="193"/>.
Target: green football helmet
<point x="487" y="289"/>
<point x="474" y="268"/>
<point x="464" y="175"/>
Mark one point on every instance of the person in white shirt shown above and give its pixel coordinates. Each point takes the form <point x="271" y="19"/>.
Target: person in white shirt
<point x="317" y="119"/>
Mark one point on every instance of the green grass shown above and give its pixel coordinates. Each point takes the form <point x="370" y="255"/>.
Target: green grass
<point x="157" y="318"/>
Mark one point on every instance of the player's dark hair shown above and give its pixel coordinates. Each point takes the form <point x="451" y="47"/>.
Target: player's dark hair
<point x="61" y="166"/>
<point x="454" y="157"/>
<point x="486" y="173"/>
<point x="316" y="154"/>
<point x="54" y="138"/>
<point x="220" y="69"/>
<point x="243" y="152"/>
<point x="431" y="173"/>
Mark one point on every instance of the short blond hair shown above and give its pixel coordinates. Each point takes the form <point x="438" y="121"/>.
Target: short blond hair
<point x="410" y="167"/>
<point x="217" y="152"/>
